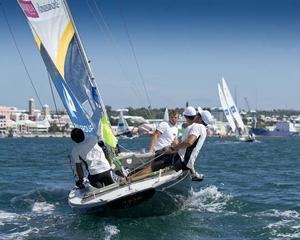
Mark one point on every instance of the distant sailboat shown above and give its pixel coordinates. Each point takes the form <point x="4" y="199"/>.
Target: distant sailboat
<point x="226" y="109"/>
<point x="232" y="114"/>
<point x="166" y="115"/>
<point x="64" y="56"/>
<point x="123" y="130"/>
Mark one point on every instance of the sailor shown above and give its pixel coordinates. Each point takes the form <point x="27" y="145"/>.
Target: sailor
<point x="182" y="156"/>
<point x="88" y="152"/>
<point x="165" y="134"/>
<point x="186" y="152"/>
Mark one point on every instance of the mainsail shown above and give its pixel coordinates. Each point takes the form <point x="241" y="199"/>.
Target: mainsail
<point x="66" y="62"/>
<point x="232" y="107"/>
<point x="226" y="109"/>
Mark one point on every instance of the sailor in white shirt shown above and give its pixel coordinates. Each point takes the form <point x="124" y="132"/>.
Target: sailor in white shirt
<point x="165" y="134"/>
<point x="87" y="152"/>
<point x="182" y="156"/>
<point x="194" y="136"/>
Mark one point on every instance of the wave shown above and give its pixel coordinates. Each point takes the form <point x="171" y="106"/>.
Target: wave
<point x="226" y="142"/>
<point x="110" y="231"/>
<point x="43" y="208"/>
<point x="20" y="225"/>
<point x="33" y="198"/>
<point x="17" y="222"/>
<point x="285" y="225"/>
<point x="7" y="217"/>
<point x="18" y="235"/>
<point x="206" y="200"/>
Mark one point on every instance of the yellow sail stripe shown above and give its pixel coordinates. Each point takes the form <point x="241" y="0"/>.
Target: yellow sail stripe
<point x="63" y="48"/>
<point x="37" y="41"/>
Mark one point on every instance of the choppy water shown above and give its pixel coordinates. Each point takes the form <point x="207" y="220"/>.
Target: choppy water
<point x="250" y="191"/>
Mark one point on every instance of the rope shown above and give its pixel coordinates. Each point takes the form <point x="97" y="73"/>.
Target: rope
<point x="56" y="109"/>
<point x="20" y="55"/>
<point x="52" y="93"/>
<point x="126" y="149"/>
<point x="70" y="162"/>
<point x="181" y="179"/>
<point x="145" y="163"/>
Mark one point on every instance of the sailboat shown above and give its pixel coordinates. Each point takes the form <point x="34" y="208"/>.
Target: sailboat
<point x="232" y="114"/>
<point x="226" y="110"/>
<point x="123" y="130"/>
<point x="62" y="51"/>
<point x="166" y="115"/>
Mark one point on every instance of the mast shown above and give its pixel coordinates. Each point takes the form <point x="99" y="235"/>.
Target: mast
<point x="85" y="58"/>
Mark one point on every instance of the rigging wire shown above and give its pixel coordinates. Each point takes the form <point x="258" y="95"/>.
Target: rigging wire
<point x="20" y="55"/>
<point x="56" y="110"/>
<point x="110" y="36"/>
<point x="87" y="62"/>
<point x="111" y="40"/>
<point x="136" y="60"/>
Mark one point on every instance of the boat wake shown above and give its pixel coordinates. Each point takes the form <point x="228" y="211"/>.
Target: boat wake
<point x="110" y="231"/>
<point x="209" y="199"/>
<point x="15" y="226"/>
<point x="32" y="213"/>
<point x="39" y="200"/>
<point x="43" y="208"/>
<point x="226" y="142"/>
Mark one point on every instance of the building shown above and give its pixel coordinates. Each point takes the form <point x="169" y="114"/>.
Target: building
<point x="31" y="106"/>
<point x="46" y="110"/>
<point x="218" y="114"/>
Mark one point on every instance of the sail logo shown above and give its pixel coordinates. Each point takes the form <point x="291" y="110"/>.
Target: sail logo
<point x="69" y="102"/>
<point x="232" y="109"/>
<point x="28" y="8"/>
<point x="226" y="112"/>
<point x="51" y="5"/>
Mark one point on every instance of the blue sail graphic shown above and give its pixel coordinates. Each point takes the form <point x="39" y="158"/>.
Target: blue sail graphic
<point x="76" y="113"/>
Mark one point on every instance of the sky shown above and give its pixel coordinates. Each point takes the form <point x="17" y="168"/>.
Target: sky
<point x="183" y="49"/>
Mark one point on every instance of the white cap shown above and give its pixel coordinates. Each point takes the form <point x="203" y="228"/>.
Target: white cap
<point x="205" y="115"/>
<point x="190" y="111"/>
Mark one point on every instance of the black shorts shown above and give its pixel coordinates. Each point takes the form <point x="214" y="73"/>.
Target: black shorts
<point x="100" y="180"/>
<point x="167" y="160"/>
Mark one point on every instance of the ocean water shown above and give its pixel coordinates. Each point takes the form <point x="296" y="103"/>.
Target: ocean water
<point x="250" y="191"/>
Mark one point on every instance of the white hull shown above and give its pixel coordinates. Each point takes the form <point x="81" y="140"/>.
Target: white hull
<point x="246" y="139"/>
<point x="118" y="196"/>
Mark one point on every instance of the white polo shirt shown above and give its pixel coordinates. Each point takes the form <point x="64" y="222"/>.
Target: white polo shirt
<point x="197" y="130"/>
<point x="92" y="154"/>
<point x="168" y="133"/>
